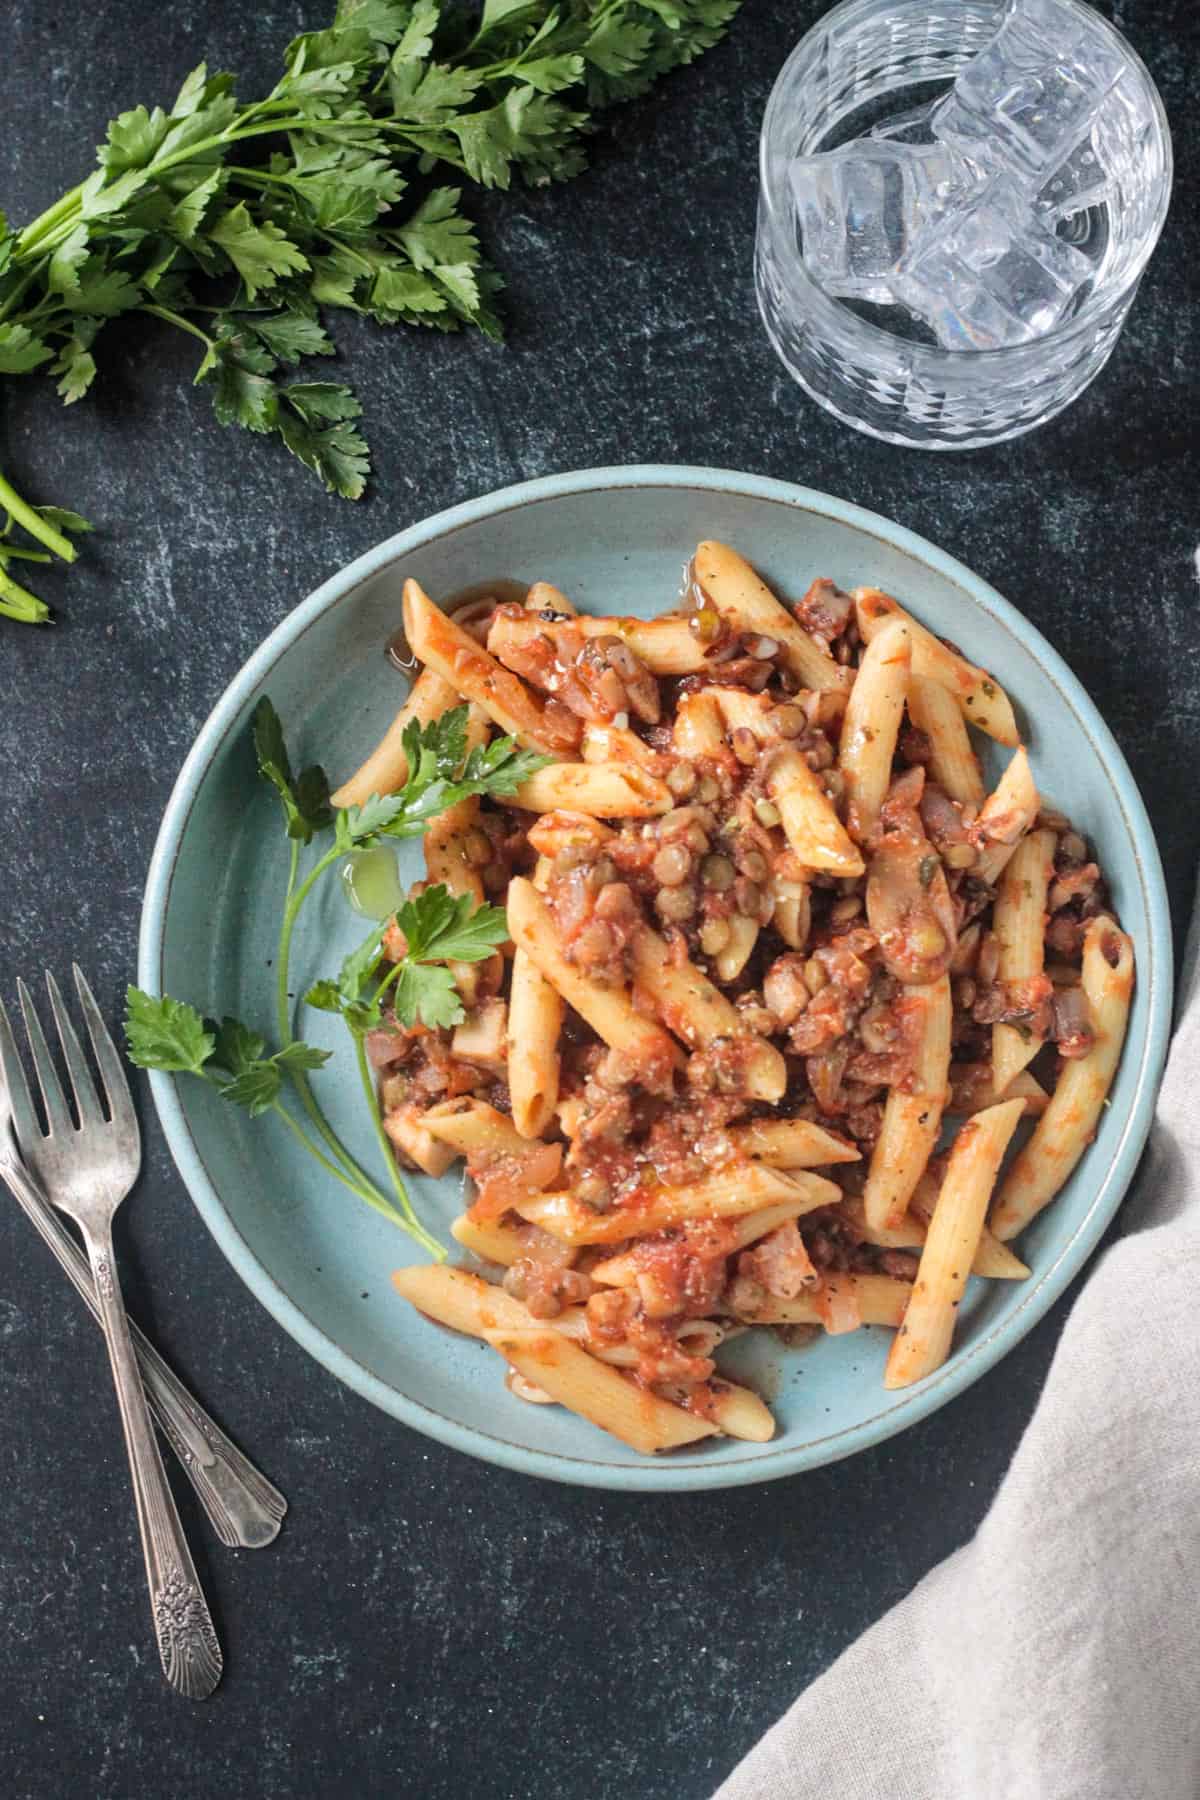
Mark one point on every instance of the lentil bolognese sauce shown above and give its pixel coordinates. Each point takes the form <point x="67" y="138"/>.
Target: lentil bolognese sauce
<point x="770" y="932"/>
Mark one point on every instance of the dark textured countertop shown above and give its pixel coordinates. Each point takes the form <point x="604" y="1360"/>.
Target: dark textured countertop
<point x="428" y="1625"/>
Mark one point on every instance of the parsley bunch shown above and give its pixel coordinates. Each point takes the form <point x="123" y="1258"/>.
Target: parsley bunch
<point x="244" y="223"/>
<point x="164" y="1033"/>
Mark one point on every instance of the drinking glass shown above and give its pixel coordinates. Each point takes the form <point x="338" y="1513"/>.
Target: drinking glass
<point x="866" y="62"/>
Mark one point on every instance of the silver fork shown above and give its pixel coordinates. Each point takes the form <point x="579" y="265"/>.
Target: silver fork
<point x="243" y="1507"/>
<point x="87" y="1172"/>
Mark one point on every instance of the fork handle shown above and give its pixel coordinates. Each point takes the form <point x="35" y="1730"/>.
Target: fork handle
<point x="187" y="1643"/>
<point x="242" y="1505"/>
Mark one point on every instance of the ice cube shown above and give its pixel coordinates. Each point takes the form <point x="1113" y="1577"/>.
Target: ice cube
<point x="912" y="126"/>
<point x="1032" y="94"/>
<point x="988" y="274"/>
<point x="861" y="206"/>
<point x="1082" y="181"/>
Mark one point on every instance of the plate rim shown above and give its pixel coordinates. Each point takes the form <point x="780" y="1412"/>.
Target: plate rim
<point x="1155" y="974"/>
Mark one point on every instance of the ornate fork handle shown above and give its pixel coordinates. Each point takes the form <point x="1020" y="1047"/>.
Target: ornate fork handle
<point x="240" y="1502"/>
<point x="187" y="1644"/>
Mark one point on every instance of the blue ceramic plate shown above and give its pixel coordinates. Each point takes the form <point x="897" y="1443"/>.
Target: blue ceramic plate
<point x="616" y="541"/>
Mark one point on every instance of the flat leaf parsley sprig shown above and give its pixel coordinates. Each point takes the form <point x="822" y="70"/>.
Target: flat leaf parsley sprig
<point x="242" y="223"/>
<point x="164" y="1033"/>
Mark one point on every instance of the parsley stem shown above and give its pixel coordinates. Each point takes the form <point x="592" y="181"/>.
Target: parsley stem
<point x="296" y="896"/>
<point x="38" y="228"/>
<point x="17" y="602"/>
<point x="361" y="1190"/>
<point x="18" y="293"/>
<point x="23" y="555"/>
<point x="368" y="1085"/>
<point x="34" y="523"/>
<point x="174" y="318"/>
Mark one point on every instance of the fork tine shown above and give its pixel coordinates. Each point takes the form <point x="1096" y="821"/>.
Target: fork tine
<point x="57" y="1116"/>
<point x="87" y="1102"/>
<point x="25" y="1125"/>
<point x="112" y="1070"/>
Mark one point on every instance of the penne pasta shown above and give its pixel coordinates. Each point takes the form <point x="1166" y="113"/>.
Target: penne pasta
<point x="992" y="1259"/>
<point x="535" y="1017"/>
<point x="745" y="712"/>
<point x="457" y="1298"/>
<point x="617" y="744"/>
<point x="472" y="672"/>
<point x="543" y="596"/>
<point x="738" y="948"/>
<point x="952" y="762"/>
<point x="608" y="1011"/>
<point x="473" y="1128"/>
<point x="598" y="1392"/>
<point x="416" y="1143"/>
<point x="548" y="1359"/>
<point x="745" y="601"/>
<point x="738" y="1412"/>
<point x="952" y="1241"/>
<point x="813" y="830"/>
<point x="699" y="727"/>
<point x="912" y="1116"/>
<point x="556" y="831"/>
<point x="872" y="725"/>
<point x="792" y="1144"/>
<point x="623" y="1270"/>
<point x="495" y="1242"/>
<point x="699" y="1014"/>
<point x="697" y="1337"/>
<point x="666" y="645"/>
<point x="1069" y="1122"/>
<point x="1006" y="815"/>
<point x="868" y="1299"/>
<point x="734" y="1189"/>
<point x="1019" y="923"/>
<point x="601" y="790"/>
<point x="982" y="699"/>
<point x="386" y="769"/>
<point x="792" y="917"/>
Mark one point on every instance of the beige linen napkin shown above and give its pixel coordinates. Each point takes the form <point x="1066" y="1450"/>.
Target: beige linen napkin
<point x="1057" y="1656"/>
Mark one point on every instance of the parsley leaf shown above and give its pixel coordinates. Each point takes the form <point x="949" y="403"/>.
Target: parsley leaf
<point x="63" y="520"/>
<point x="290" y="336"/>
<point x="166" y="1034"/>
<point x="437" y="232"/>
<point x="102" y="292"/>
<point x="438" y="927"/>
<point x="62" y="277"/>
<point x="133" y="139"/>
<point x="76" y="366"/>
<point x="336" y="451"/>
<point x="20" y="351"/>
<point x="301" y="1056"/>
<point x="305" y="798"/>
<point x="438" y="778"/>
<point x="252" y="1078"/>
<point x="259" y="251"/>
<point x="427" y="994"/>
<point x="437" y="923"/>
<point x="237" y="1048"/>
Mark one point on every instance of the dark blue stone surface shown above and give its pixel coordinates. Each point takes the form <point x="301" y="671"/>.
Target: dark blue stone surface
<point x="427" y="1625"/>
